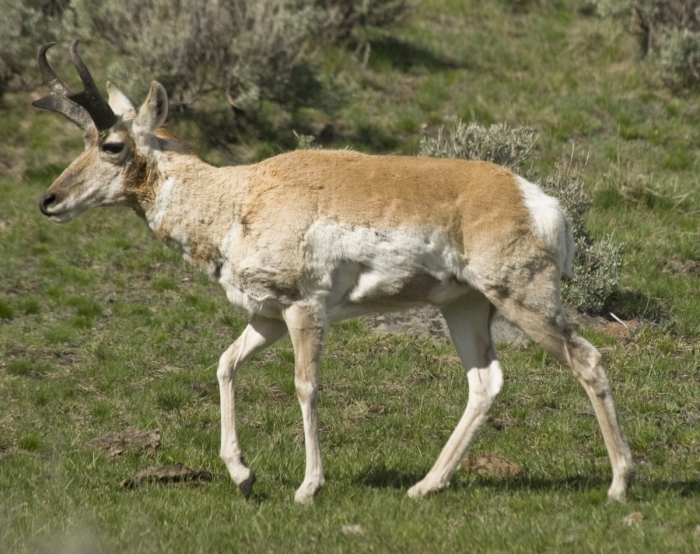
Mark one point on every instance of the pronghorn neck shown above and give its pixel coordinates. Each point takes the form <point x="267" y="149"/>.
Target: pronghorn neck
<point x="143" y="179"/>
<point x="141" y="182"/>
<point x="182" y="209"/>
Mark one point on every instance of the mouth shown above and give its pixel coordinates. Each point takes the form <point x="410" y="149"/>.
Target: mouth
<point x="60" y="217"/>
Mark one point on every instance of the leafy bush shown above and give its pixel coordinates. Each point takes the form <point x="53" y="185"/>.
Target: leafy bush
<point x="669" y="33"/>
<point x="598" y="272"/>
<point x="498" y="144"/>
<point x="249" y="50"/>
<point x="679" y="59"/>
<point x="24" y="26"/>
<point x="596" y="263"/>
<point x="340" y="17"/>
<point x="305" y="142"/>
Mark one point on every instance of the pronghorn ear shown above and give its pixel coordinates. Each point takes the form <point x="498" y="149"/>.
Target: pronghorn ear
<point x="119" y="103"/>
<point x="154" y="110"/>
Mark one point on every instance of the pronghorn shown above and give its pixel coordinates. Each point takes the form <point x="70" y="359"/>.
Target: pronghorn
<point x="315" y="236"/>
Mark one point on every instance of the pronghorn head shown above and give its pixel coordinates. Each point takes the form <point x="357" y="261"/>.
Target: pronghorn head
<point x="113" y="168"/>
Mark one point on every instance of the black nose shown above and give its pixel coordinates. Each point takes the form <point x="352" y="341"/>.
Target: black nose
<point x="45" y="202"/>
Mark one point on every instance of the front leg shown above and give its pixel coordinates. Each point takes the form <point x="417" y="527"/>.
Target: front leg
<point x="307" y="331"/>
<point x="260" y="333"/>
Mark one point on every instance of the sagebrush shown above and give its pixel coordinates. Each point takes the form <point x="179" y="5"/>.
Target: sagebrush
<point x="23" y="27"/>
<point x="597" y="264"/>
<point x="339" y="18"/>
<point x="498" y="144"/>
<point x="249" y="50"/>
<point x="668" y="33"/>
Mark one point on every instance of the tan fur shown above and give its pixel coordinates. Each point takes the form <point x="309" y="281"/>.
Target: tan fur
<point x="478" y="204"/>
<point x="470" y="199"/>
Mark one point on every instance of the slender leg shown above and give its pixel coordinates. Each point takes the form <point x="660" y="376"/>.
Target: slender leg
<point x="468" y="321"/>
<point x="586" y="365"/>
<point x="307" y="331"/>
<point x="544" y="321"/>
<point x="260" y="333"/>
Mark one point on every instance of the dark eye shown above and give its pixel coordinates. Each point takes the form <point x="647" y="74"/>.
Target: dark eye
<point x="113" y="147"/>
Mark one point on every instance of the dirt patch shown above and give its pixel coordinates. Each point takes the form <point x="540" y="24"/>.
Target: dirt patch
<point x="427" y="321"/>
<point x="492" y="466"/>
<point x="503" y="422"/>
<point x="205" y="390"/>
<point x="131" y="439"/>
<point x="675" y="266"/>
<point x="178" y="473"/>
<point x="277" y="394"/>
<point x="34" y="374"/>
<point x="622" y="330"/>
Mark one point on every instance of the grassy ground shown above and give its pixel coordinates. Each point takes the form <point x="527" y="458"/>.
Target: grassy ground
<point x="102" y="328"/>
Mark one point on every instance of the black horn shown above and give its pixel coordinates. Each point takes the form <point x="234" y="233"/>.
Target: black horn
<point x="90" y="98"/>
<point x="57" y="100"/>
<point x="48" y="74"/>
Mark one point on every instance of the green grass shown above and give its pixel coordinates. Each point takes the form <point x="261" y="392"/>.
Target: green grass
<point x="102" y="328"/>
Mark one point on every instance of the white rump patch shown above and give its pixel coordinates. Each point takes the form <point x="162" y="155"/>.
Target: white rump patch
<point x="550" y="224"/>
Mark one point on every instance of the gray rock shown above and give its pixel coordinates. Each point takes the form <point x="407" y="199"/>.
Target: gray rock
<point x="427" y="321"/>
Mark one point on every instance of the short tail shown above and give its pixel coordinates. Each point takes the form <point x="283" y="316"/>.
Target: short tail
<point x="569" y="247"/>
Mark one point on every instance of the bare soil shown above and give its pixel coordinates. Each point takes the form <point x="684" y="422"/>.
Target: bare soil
<point x="492" y="466"/>
<point x="427" y="321"/>
<point x="131" y="439"/>
<point x="177" y="473"/>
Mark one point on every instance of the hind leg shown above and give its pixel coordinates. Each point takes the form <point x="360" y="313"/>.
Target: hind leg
<point x="587" y="366"/>
<point x="538" y="312"/>
<point x="468" y="321"/>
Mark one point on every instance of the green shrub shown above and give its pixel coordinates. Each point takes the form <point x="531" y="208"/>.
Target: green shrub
<point x="339" y="18"/>
<point x="24" y="26"/>
<point x="498" y="144"/>
<point x="668" y="32"/>
<point x="596" y="263"/>
<point x="249" y="50"/>
<point x="679" y="59"/>
<point x="305" y="142"/>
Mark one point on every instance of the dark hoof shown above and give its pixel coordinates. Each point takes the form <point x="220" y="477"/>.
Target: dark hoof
<point x="246" y="486"/>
